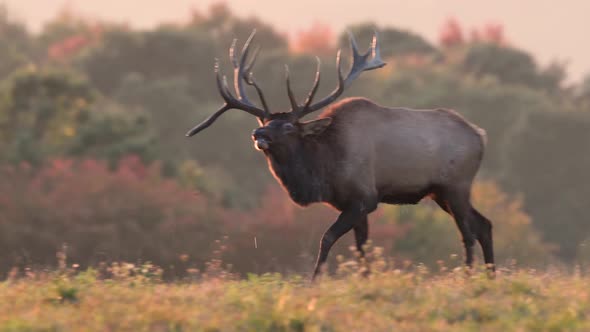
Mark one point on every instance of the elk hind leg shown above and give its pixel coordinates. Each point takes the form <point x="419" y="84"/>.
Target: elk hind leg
<point x="482" y="227"/>
<point x="456" y="203"/>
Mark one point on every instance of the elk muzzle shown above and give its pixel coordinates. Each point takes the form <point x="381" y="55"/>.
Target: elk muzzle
<point x="261" y="140"/>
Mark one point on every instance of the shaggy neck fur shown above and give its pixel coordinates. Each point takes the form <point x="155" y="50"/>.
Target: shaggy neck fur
<point x="302" y="171"/>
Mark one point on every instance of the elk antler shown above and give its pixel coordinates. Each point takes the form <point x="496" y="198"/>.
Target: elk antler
<point x="360" y="63"/>
<point x="242" y="73"/>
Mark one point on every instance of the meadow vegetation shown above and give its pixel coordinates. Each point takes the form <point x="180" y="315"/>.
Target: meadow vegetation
<point x="125" y="297"/>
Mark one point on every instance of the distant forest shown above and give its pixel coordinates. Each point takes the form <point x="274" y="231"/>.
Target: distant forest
<point x="93" y="156"/>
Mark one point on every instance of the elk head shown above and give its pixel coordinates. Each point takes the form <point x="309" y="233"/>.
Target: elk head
<point x="284" y="129"/>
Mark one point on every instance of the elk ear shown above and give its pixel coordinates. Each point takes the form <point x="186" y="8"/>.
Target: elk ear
<point x="315" y="127"/>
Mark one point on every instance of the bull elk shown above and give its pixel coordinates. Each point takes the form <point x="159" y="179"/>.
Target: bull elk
<point x="358" y="154"/>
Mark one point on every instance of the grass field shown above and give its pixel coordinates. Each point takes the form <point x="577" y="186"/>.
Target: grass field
<point x="135" y="299"/>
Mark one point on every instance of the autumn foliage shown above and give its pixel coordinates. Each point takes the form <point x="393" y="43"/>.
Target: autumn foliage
<point x="70" y="34"/>
<point x="318" y="40"/>
<point x="68" y="47"/>
<point x="453" y="34"/>
<point x="130" y="212"/>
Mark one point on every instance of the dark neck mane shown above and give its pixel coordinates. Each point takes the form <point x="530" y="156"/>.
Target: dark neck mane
<point x="303" y="172"/>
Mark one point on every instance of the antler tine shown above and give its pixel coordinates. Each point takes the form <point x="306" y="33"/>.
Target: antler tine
<point x="231" y="101"/>
<point x="249" y="78"/>
<point x="375" y="48"/>
<point x="240" y="102"/>
<point x="239" y="68"/>
<point x="375" y="51"/>
<point x="250" y="65"/>
<point x="294" y="106"/>
<point x="316" y="84"/>
<point x="356" y="56"/>
<point x="227" y="97"/>
<point x="209" y="121"/>
<point x="222" y="85"/>
<point x="332" y="96"/>
<point x="242" y="72"/>
<point x="360" y="63"/>
<point x="339" y="69"/>
<point x="233" y="54"/>
<point x="250" y="81"/>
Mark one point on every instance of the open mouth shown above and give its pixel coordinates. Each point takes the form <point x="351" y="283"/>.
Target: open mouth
<point x="261" y="142"/>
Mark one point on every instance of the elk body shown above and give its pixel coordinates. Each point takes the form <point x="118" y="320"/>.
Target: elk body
<point x="358" y="154"/>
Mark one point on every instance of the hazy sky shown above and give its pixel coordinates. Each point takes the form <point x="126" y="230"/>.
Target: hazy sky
<point x="550" y="29"/>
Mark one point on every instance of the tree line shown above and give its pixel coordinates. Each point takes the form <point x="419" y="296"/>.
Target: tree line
<point x="83" y="101"/>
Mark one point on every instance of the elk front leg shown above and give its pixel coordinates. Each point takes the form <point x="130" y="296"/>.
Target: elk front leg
<point x="348" y="219"/>
<point x="361" y="234"/>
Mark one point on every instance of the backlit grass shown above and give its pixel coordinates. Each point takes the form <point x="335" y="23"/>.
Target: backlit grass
<point x="412" y="299"/>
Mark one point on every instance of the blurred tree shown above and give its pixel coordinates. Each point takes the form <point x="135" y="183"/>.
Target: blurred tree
<point x="67" y="34"/>
<point x="16" y="43"/>
<point x="508" y="64"/>
<point x="163" y="53"/>
<point x="114" y="132"/>
<point x="511" y="66"/>
<point x="53" y="113"/>
<point x="582" y="92"/>
<point x="169" y="105"/>
<point x="221" y="25"/>
<point x="42" y="111"/>
<point x="550" y="156"/>
<point x="394" y="42"/>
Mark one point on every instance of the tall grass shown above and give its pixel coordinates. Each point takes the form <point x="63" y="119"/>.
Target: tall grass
<point x="125" y="297"/>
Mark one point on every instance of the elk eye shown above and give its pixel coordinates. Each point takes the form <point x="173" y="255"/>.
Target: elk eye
<point x="288" y="127"/>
